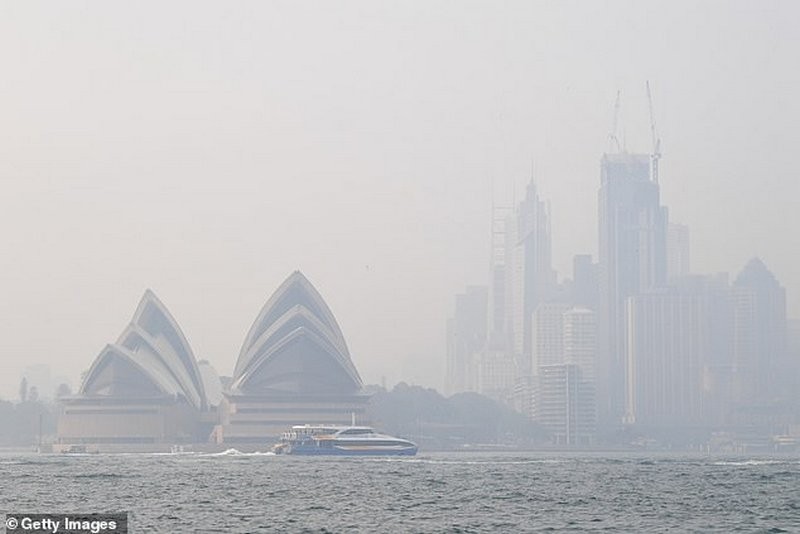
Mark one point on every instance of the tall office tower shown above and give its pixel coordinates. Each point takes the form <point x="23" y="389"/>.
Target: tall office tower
<point x="580" y="340"/>
<point x="522" y="394"/>
<point x="496" y="374"/>
<point x="495" y="368"/>
<point x="580" y="348"/>
<point x="793" y="338"/>
<point x="466" y="338"/>
<point x="668" y="343"/>
<point x="561" y="334"/>
<point x="632" y="259"/>
<point x="547" y="335"/>
<point x="760" y="364"/>
<point x="585" y="281"/>
<point x="498" y="330"/>
<point x="564" y="405"/>
<point x="677" y="250"/>
<point x="532" y="278"/>
<point x="793" y="356"/>
<point x="715" y="291"/>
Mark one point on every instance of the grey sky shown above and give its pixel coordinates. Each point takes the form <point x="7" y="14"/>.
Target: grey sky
<point x="207" y="149"/>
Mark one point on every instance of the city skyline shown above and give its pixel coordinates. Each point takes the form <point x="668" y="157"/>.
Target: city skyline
<point x="365" y="147"/>
<point x="636" y="341"/>
<point x="559" y="277"/>
<point x="549" y="248"/>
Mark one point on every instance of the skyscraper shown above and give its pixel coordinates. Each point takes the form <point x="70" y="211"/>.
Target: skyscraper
<point x="632" y="259"/>
<point x="531" y="276"/>
<point x="494" y="367"/>
<point x="580" y="340"/>
<point x="547" y="334"/>
<point x="498" y="329"/>
<point x="793" y="356"/>
<point x="718" y="323"/>
<point x="668" y="344"/>
<point x="584" y="281"/>
<point x="495" y="375"/>
<point x="677" y="250"/>
<point x="760" y="366"/>
<point x="466" y="338"/>
<point x="564" y="405"/>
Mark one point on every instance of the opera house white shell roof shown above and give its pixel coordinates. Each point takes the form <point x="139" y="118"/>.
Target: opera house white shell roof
<point x="151" y="358"/>
<point x="295" y="347"/>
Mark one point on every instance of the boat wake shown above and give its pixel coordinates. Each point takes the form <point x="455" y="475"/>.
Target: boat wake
<point x="237" y="453"/>
<point x="492" y="461"/>
<point x="755" y="462"/>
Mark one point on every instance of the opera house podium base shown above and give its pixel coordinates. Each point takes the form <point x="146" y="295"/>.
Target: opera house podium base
<point x="253" y="421"/>
<point x="127" y="425"/>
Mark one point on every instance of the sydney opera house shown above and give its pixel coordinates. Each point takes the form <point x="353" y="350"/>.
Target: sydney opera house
<point x="147" y="391"/>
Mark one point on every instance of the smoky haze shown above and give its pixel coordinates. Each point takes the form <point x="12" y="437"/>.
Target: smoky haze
<point x="206" y="150"/>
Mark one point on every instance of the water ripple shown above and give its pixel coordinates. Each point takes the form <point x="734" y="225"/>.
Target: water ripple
<point x="459" y="492"/>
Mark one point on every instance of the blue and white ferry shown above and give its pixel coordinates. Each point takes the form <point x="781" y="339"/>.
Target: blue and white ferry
<point x="315" y="440"/>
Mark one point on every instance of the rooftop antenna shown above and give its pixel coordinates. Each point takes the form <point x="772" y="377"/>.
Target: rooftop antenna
<point x="624" y="140"/>
<point x="491" y="191"/>
<point x="514" y="192"/>
<point x="533" y="167"/>
<point x="532" y="181"/>
<point x="613" y="141"/>
<point x="656" y="155"/>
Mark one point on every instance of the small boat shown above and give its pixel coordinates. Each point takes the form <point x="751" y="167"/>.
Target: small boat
<point x="315" y="440"/>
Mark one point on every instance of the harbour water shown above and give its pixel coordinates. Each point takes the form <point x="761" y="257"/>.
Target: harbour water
<point x="436" y="492"/>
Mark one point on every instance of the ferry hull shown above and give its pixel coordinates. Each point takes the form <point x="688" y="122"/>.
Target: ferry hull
<point x="318" y="451"/>
<point x="333" y="440"/>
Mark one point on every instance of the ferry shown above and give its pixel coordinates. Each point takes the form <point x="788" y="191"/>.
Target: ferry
<point x="315" y="440"/>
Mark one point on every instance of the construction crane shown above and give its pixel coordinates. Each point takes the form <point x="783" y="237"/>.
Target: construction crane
<point x="613" y="141"/>
<point x="656" y="155"/>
